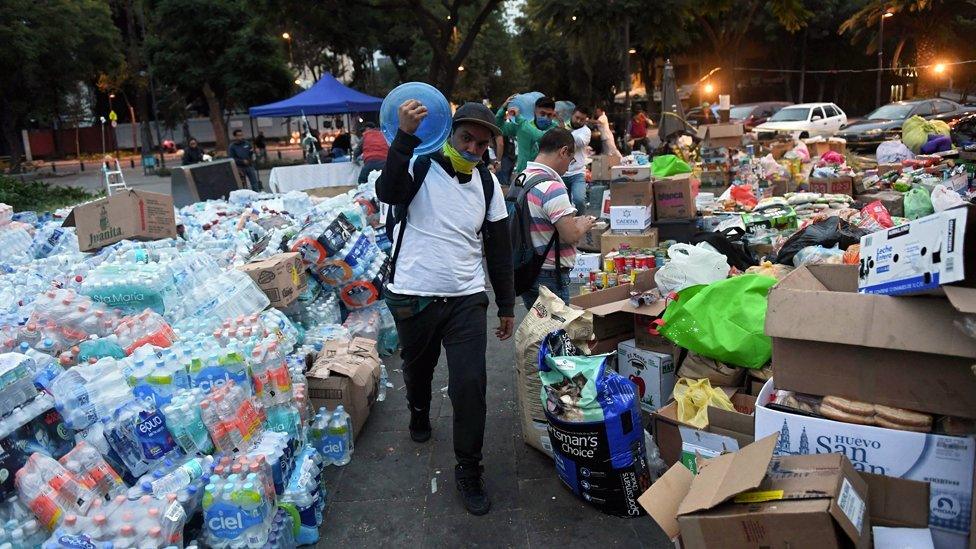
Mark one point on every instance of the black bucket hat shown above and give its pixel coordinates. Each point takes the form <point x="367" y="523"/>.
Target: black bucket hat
<point x="475" y="113"/>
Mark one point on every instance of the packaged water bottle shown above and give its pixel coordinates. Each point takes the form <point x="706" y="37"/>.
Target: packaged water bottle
<point x="138" y="434"/>
<point x="86" y="393"/>
<point x="50" y="491"/>
<point x="91" y="469"/>
<point x="182" y="477"/>
<point x="306" y="495"/>
<point x="339" y="446"/>
<point x="16" y="381"/>
<point x="384" y="381"/>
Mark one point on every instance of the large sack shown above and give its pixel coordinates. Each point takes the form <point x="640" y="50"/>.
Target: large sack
<point x="548" y="314"/>
<point x="916" y="130"/>
<point x="594" y="426"/>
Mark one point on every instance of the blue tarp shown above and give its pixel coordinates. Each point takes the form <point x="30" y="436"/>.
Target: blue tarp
<point x="327" y="96"/>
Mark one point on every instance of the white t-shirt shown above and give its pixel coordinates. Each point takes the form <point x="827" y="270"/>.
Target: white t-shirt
<point x="442" y="250"/>
<point x="582" y="138"/>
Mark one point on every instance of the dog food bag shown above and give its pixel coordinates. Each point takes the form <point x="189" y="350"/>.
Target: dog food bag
<point x="594" y="427"/>
<point x="547" y="314"/>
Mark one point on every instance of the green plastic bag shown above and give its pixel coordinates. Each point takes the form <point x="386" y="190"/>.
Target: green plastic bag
<point x="668" y="164"/>
<point x="916" y="130"/>
<point x="724" y="320"/>
<point x="918" y="203"/>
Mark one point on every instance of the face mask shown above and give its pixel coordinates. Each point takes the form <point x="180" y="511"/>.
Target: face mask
<point x="542" y="122"/>
<point x="461" y="161"/>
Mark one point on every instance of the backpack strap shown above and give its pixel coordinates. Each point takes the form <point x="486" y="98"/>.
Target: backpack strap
<point x="527" y="184"/>
<point x="488" y="186"/>
<point x="420" y="168"/>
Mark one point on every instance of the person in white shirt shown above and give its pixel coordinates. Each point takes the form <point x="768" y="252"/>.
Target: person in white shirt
<point x="575" y="176"/>
<point x="450" y="220"/>
<point x="609" y="143"/>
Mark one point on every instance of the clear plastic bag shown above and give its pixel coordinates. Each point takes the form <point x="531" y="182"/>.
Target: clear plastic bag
<point x="690" y="266"/>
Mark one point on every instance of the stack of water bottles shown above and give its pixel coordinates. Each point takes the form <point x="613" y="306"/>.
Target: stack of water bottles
<point x="149" y="397"/>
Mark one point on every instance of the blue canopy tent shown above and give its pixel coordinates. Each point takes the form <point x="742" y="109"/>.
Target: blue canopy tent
<point x="327" y="96"/>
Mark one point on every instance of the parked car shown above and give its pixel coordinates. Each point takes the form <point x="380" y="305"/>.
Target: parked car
<point x="751" y="115"/>
<point x="885" y="122"/>
<point x="964" y="132"/>
<point x="801" y="121"/>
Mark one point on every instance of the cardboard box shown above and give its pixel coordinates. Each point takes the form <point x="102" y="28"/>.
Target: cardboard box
<point x="817" y="146"/>
<point x="600" y="166"/>
<point x="652" y="372"/>
<point x="921" y="255"/>
<point x="591" y="240"/>
<point x="749" y="499"/>
<point x="831" y="185"/>
<point x="721" y="135"/>
<point x="631" y="218"/>
<point x="611" y="242"/>
<point x="585" y="262"/>
<point x="893" y="201"/>
<point x="915" y="358"/>
<point x="727" y="431"/>
<point x="945" y="462"/>
<point x="346" y="374"/>
<point x="282" y="277"/>
<point x="611" y="308"/>
<point x="892" y="167"/>
<point x="632" y="193"/>
<point x="135" y="215"/>
<point x="674" y="198"/>
<point x="779" y="148"/>
<point x="633" y="172"/>
<point x="837" y="144"/>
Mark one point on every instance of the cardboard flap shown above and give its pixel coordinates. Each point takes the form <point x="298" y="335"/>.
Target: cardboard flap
<point x="662" y="499"/>
<point x="963" y="299"/>
<point x="897" y="502"/>
<point x="727" y="475"/>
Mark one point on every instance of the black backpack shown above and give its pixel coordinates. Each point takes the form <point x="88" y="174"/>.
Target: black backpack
<point x="526" y="261"/>
<point x="398" y="214"/>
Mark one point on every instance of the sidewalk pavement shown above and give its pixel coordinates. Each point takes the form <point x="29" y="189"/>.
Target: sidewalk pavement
<point x="397" y="493"/>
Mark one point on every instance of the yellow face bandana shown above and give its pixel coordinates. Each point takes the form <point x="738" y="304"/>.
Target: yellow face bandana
<point x="459" y="162"/>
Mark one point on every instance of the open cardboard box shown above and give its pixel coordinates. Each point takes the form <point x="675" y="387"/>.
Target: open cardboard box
<point x="347" y="374"/>
<point x="897" y="351"/>
<point x="749" y="499"/>
<point x="727" y="430"/>
<point x="613" y="314"/>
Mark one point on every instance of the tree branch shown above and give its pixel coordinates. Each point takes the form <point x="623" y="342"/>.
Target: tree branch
<point x="473" y="31"/>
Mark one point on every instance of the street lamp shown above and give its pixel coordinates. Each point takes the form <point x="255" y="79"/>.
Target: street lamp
<point x="460" y="68"/>
<point x="709" y="88"/>
<point x="877" y="92"/>
<point x="287" y="38"/>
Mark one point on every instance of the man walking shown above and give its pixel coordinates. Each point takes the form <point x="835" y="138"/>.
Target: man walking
<point x="606" y="134"/>
<point x="445" y="203"/>
<point x="240" y="150"/>
<point x="555" y="227"/>
<point x="526" y="131"/>
<point x="575" y="177"/>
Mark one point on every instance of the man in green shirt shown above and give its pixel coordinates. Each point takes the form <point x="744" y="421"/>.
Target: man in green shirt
<point x="526" y="131"/>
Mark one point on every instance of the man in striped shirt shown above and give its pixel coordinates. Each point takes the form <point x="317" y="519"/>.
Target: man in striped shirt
<point x="553" y="211"/>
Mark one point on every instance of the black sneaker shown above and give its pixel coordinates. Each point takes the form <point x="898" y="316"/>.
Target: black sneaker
<point x="419" y="425"/>
<point x="472" y="489"/>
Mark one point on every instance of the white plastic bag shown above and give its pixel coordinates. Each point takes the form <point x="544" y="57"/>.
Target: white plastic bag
<point x="944" y="198"/>
<point x="689" y="266"/>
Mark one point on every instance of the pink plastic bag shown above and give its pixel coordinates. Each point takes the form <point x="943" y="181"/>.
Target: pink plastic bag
<point x="742" y="194"/>
<point x="876" y="211"/>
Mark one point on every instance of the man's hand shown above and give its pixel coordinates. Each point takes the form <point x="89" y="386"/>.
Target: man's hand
<point x="506" y="326"/>
<point x="411" y="113"/>
<point x="585" y="222"/>
<point x="512" y="113"/>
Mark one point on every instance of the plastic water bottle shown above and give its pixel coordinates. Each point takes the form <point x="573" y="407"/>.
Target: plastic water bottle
<point x="339" y="437"/>
<point x="182" y="477"/>
<point x="86" y="393"/>
<point x="306" y="494"/>
<point x="384" y="380"/>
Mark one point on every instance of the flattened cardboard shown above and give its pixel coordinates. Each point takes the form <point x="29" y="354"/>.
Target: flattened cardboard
<point x="611" y="242"/>
<point x="674" y="198"/>
<point x="853" y="355"/>
<point x="662" y="499"/>
<point x="591" y="240"/>
<point x="282" y="277"/>
<point x="600" y="166"/>
<point x="131" y="214"/>
<point x="727" y="475"/>
<point x="897" y="502"/>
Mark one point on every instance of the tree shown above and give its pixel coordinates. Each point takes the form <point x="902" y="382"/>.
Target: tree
<point x="935" y="28"/>
<point x="48" y="48"/>
<point x="448" y="28"/>
<point x="218" y="49"/>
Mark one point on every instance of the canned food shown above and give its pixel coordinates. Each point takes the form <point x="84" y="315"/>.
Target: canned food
<point x="611" y="282"/>
<point x="593" y="276"/>
<point x="629" y="263"/>
<point x="608" y="264"/>
<point x="604" y="280"/>
<point x="619" y="264"/>
<point x="624" y="278"/>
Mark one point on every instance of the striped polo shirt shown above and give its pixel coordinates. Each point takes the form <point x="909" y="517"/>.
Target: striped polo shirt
<point x="548" y="203"/>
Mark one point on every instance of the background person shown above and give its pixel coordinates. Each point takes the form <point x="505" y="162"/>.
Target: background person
<point x="526" y="131"/>
<point x="243" y="155"/>
<point x="575" y="176"/>
<point x="373" y="150"/>
<point x="193" y="153"/>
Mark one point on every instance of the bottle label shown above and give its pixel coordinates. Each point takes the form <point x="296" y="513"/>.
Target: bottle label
<point x="79" y="541"/>
<point x="154" y="438"/>
<point x="218" y="376"/>
<point x="228" y="521"/>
